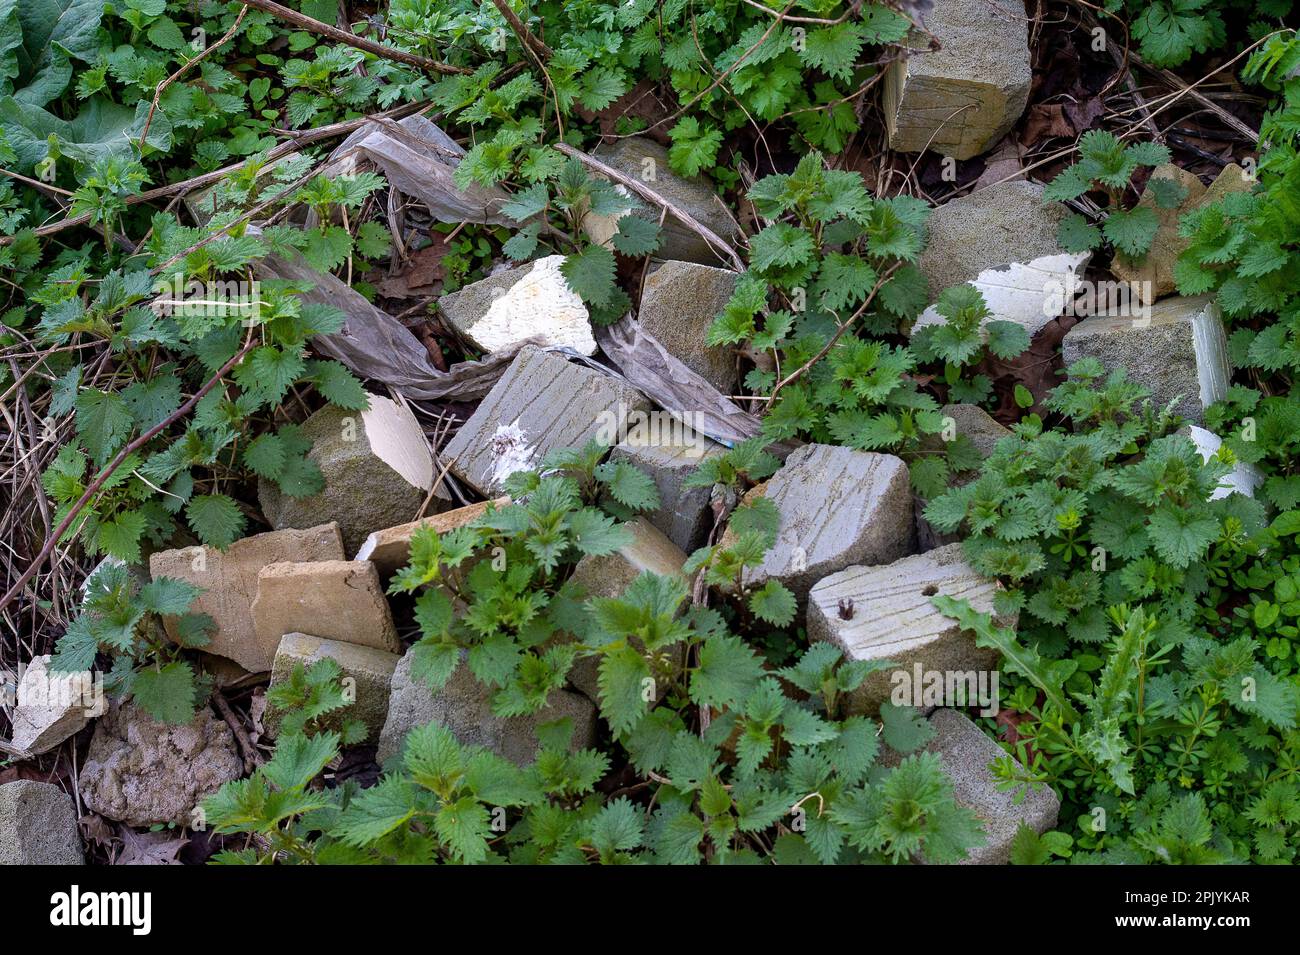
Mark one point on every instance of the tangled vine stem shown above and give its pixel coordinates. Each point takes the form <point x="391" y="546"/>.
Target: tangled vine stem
<point x="57" y="534"/>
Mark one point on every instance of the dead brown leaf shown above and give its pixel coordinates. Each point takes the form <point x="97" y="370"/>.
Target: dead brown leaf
<point x="149" y="848"/>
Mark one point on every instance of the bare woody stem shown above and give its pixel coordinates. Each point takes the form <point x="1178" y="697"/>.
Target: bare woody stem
<point x="525" y="35"/>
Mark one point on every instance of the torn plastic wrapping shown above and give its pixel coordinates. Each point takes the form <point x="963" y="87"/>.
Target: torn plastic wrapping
<point x="375" y="345"/>
<point x="418" y="159"/>
<point x="666" y="380"/>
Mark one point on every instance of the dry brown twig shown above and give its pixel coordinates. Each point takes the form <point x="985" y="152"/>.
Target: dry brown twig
<point x="185" y="67"/>
<point x="331" y="32"/>
<point x="650" y="195"/>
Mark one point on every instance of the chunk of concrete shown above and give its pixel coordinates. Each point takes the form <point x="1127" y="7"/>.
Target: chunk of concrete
<point x="884" y="613"/>
<point x="646" y="161"/>
<point x="684" y="513"/>
<point x="1152" y="275"/>
<point x="390" y="549"/>
<point x="966" y="754"/>
<point x="38" y="825"/>
<point x="1179" y="352"/>
<point x="1003" y="240"/>
<point x="377" y="466"/>
<point x="838" y="507"/>
<point x="145" y="773"/>
<point x="369" y="670"/>
<point x="679" y="301"/>
<point x="960" y="99"/>
<point x="335" y="599"/>
<point x="1242" y="479"/>
<point x="530" y="301"/>
<point x="609" y="575"/>
<point x="464" y="706"/>
<point x="229" y="582"/>
<point x="50" y="707"/>
<point x="541" y="403"/>
<point x="975" y="425"/>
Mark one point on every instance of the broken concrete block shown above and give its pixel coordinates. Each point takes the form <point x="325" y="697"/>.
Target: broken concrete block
<point x="52" y="706"/>
<point x="1152" y="276"/>
<point x="684" y="513"/>
<point x="966" y="754"/>
<point x="38" y="825"/>
<point x="647" y="162"/>
<point x="336" y="599"/>
<point x="1179" y="352"/>
<point x="608" y="575"/>
<point x="145" y="773"/>
<point x="884" y="613"/>
<point x="390" y="549"/>
<point x="960" y="99"/>
<point x="1242" y="479"/>
<point x="530" y="301"/>
<point x="972" y="423"/>
<point x="464" y="706"/>
<point x="679" y="301"/>
<point x="542" y="402"/>
<point x="369" y="671"/>
<point x="838" y="507"/>
<point x="229" y="582"/>
<point x="377" y="468"/>
<point x="1003" y="240"/>
<point x="960" y="421"/>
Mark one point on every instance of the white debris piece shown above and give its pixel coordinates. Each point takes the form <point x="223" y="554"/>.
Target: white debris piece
<point x="1243" y="479"/>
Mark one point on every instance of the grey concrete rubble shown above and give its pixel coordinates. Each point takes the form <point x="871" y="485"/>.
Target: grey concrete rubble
<point x="1179" y="351"/>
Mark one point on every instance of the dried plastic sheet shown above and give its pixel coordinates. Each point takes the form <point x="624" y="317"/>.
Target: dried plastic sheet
<point x="418" y="159"/>
<point x="666" y="381"/>
<point x="375" y="345"/>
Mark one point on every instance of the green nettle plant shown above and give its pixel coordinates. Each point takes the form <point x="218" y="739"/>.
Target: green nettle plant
<point x="122" y="618"/>
<point x="964" y="339"/>
<point x="556" y="206"/>
<point x="1105" y="167"/>
<point x="739" y="763"/>
<point x="1157" y="716"/>
<point x="832" y="261"/>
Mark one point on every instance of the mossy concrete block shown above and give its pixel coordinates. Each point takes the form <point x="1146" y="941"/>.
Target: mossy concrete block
<point x="1179" y="352"/>
<point x="678" y="304"/>
<point x="377" y="467"/>
<point x="541" y="403"/>
<point x="464" y="706"/>
<point x="646" y="161"/>
<point x="885" y="613"/>
<point x="609" y="575"/>
<point x="960" y="99"/>
<point x="369" y="671"/>
<point x="966" y="754"/>
<point x="38" y="825"/>
<point x="978" y="427"/>
<point x="684" y="514"/>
